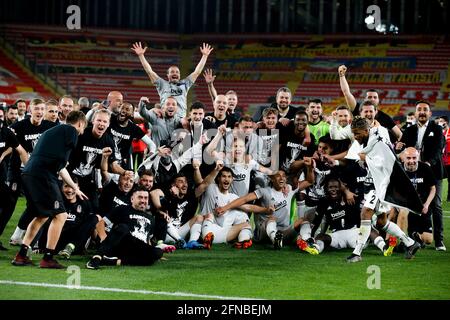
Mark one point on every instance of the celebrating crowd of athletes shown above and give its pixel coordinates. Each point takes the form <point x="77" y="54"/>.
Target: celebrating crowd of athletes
<point x="132" y="181"/>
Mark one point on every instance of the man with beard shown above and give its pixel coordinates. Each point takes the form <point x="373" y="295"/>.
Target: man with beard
<point x="116" y="194"/>
<point x="273" y="223"/>
<point x="28" y="132"/>
<point x="369" y="111"/>
<point x="426" y="136"/>
<point x="21" y="108"/>
<point x="174" y="87"/>
<point x="317" y="125"/>
<point x="11" y="115"/>
<point x="372" y="95"/>
<point x="367" y="136"/>
<point x="286" y="112"/>
<point x="220" y="115"/>
<point x="88" y="155"/>
<point x="293" y="146"/>
<point x="123" y="131"/>
<point x="130" y="241"/>
<point x="164" y="121"/>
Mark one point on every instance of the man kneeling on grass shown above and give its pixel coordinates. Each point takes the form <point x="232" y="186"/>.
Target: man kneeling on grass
<point x="130" y="239"/>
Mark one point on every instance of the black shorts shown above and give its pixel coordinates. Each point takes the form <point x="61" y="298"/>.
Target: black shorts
<point x="420" y="223"/>
<point x="44" y="197"/>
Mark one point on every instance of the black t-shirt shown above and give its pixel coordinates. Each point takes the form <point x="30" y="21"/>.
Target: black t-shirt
<point x="76" y="213"/>
<point x="271" y="141"/>
<point x="231" y="120"/>
<point x="52" y="151"/>
<point x="422" y="179"/>
<point x="141" y="224"/>
<point x="354" y="177"/>
<point x="7" y="140"/>
<point x="112" y="197"/>
<point x="292" y="147"/>
<point x="316" y="191"/>
<point x="181" y="210"/>
<point x="88" y="153"/>
<point x="123" y="137"/>
<point x="339" y="215"/>
<point x="28" y="136"/>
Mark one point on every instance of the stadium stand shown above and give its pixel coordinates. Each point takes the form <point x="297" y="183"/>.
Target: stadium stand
<point x="93" y="61"/>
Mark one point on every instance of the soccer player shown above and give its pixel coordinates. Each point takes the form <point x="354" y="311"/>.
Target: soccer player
<point x="274" y="224"/>
<point x="130" y="239"/>
<point x="174" y="86"/>
<point x="40" y="181"/>
<point x="367" y="137"/>
<point x="177" y="208"/>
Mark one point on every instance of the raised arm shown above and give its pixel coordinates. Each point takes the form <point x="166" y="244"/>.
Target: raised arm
<point x="349" y="98"/>
<point x="137" y="48"/>
<point x="205" y="50"/>
<point x="208" y="179"/>
<point x="209" y="79"/>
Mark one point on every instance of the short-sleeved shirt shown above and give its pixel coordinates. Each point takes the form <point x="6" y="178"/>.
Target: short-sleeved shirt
<point x="77" y="213"/>
<point x="282" y="203"/>
<point x="52" y="152"/>
<point x="319" y="129"/>
<point x="422" y="179"/>
<point x="88" y="153"/>
<point x="112" y="197"/>
<point x="181" y="210"/>
<point x="123" y="137"/>
<point x="141" y="224"/>
<point x="270" y="140"/>
<point x="241" y="176"/>
<point x="213" y="198"/>
<point x="339" y="215"/>
<point x="292" y="148"/>
<point x="229" y="119"/>
<point x="177" y="90"/>
<point x="316" y="191"/>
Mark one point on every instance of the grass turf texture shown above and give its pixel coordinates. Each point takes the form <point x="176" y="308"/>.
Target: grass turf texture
<point x="258" y="272"/>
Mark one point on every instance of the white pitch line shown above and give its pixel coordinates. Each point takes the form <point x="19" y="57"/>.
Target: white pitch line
<point x="147" y="292"/>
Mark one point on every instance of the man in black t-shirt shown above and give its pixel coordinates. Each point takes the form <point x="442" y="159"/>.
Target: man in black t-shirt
<point x="41" y="186"/>
<point x="116" y="194"/>
<point x="8" y="143"/>
<point x="384" y="119"/>
<point x="176" y="207"/>
<point x="123" y="131"/>
<point x="220" y="115"/>
<point x="130" y="241"/>
<point x="88" y="154"/>
<point x="422" y="177"/>
<point x="28" y="131"/>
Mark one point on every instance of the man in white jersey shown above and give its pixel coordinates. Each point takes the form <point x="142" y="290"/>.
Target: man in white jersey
<point x="272" y="225"/>
<point x="228" y="224"/>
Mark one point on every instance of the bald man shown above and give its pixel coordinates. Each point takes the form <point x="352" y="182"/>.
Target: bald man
<point x="220" y="115"/>
<point x="113" y="101"/>
<point x="422" y="177"/>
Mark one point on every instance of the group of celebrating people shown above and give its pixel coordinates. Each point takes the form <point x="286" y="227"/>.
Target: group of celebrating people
<point x="284" y="175"/>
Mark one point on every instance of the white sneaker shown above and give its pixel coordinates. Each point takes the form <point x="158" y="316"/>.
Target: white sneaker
<point x="441" y="248"/>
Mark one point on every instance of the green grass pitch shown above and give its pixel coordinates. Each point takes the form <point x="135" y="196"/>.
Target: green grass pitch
<point x="225" y="272"/>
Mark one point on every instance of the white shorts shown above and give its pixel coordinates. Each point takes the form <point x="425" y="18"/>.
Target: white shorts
<point x="344" y="238"/>
<point x="220" y="233"/>
<point x="372" y="202"/>
<point x="231" y="218"/>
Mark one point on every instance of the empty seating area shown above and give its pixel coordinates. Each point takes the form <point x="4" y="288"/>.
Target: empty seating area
<point x="93" y="62"/>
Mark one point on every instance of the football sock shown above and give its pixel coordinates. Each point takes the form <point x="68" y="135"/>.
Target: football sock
<point x="245" y="234"/>
<point x="206" y="226"/>
<point x="380" y="243"/>
<point x="305" y="231"/>
<point x="173" y="232"/>
<point x="320" y="245"/>
<point x="395" y="230"/>
<point x="48" y="254"/>
<point x="363" y="235"/>
<point x="301" y="209"/>
<point x="196" y="229"/>
<point x="18" y="233"/>
<point x="271" y="229"/>
<point x="23" y="250"/>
